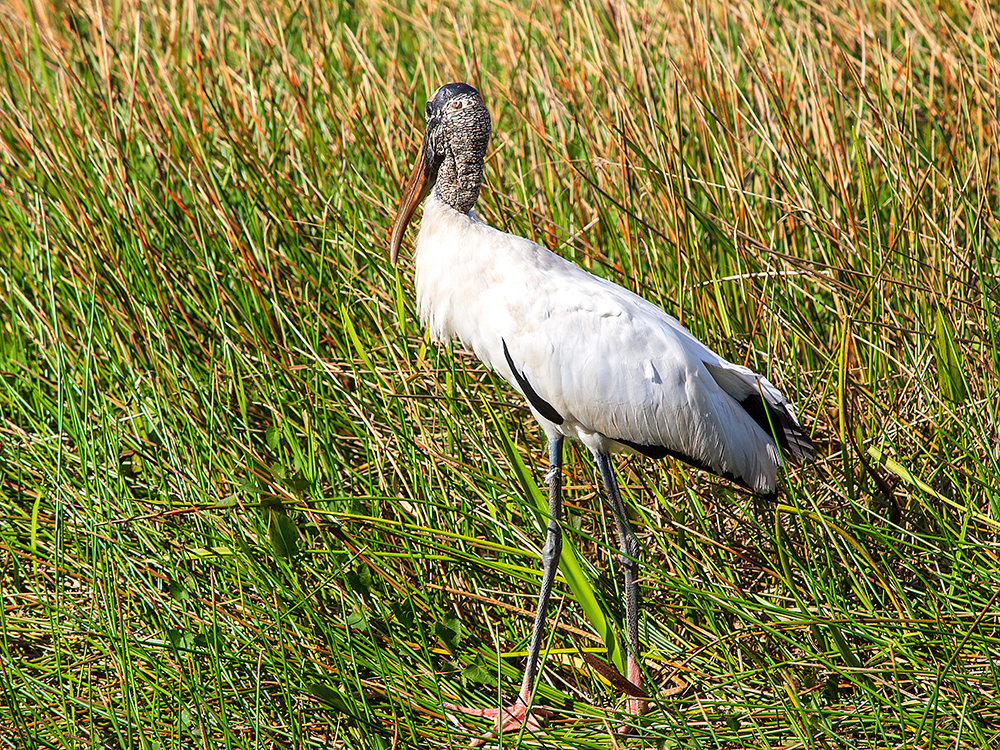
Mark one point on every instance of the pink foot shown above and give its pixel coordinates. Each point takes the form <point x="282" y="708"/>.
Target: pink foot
<point x="506" y="721"/>
<point x="637" y="707"/>
<point x="637" y="703"/>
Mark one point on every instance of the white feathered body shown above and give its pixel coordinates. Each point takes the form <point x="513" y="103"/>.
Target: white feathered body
<point x="618" y="370"/>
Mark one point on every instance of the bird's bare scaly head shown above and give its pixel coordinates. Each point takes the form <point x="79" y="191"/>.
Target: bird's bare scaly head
<point x="458" y="131"/>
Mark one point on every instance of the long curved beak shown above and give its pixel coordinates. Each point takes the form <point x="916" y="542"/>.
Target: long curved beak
<point x="417" y="188"/>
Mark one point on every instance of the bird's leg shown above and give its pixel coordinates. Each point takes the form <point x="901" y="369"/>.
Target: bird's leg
<point x="520" y="713"/>
<point x="550" y="565"/>
<point x="628" y="556"/>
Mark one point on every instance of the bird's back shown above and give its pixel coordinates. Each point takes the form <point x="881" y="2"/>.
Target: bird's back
<point x="596" y="362"/>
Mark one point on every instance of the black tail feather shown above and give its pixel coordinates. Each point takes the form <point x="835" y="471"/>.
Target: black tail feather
<point x="776" y="421"/>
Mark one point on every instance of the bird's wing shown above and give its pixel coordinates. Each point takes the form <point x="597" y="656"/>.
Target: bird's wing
<point x="606" y="361"/>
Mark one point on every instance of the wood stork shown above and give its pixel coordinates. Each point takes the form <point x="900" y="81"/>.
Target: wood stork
<point x="595" y="362"/>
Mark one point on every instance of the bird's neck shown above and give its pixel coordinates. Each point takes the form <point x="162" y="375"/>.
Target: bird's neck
<point x="459" y="179"/>
<point x="452" y="264"/>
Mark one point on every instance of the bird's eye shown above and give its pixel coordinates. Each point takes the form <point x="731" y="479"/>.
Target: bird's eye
<point x="427" y="110"/>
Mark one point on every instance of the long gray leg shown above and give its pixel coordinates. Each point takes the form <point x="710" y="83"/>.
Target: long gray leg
<point x="550" y="564"/>
<point x="628" y="556"/>
<point x="518" y="716"/>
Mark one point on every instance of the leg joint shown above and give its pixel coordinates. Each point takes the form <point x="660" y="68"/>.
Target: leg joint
<point x="553" y="545"/>
<point x="630" y="552"/>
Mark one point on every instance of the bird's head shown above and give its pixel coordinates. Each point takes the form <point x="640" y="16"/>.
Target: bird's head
<point x="458" y="131"/>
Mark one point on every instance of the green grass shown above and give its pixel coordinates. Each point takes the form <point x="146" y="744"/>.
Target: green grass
<point x="245" y="504"/>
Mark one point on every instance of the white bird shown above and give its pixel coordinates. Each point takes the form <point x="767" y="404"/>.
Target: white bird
<point x="595" y="362"/>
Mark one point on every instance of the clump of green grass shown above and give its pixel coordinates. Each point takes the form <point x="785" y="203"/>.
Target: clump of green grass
<point x="245" y="503"/>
